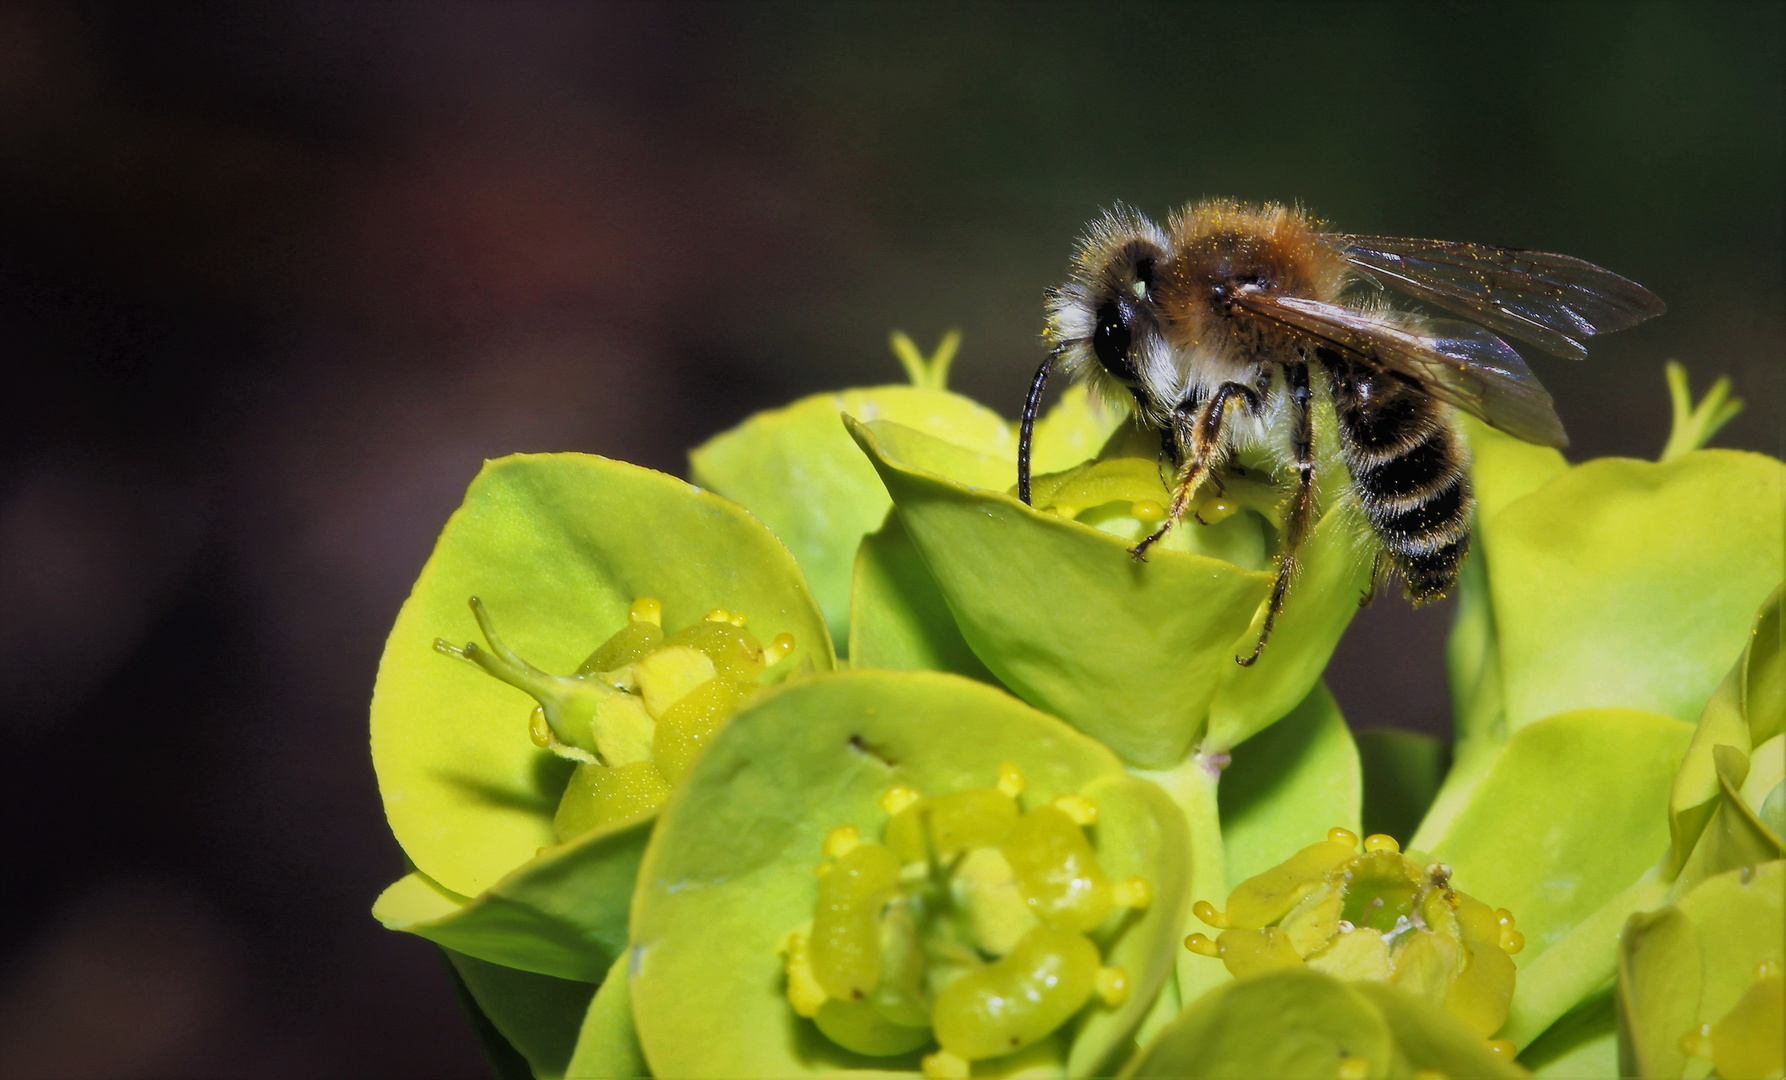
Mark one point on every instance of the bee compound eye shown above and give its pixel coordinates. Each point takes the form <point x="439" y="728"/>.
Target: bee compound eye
<point x="1111" y="341"/>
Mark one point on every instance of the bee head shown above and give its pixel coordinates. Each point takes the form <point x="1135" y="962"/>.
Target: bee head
<point x="1104" y="323"/>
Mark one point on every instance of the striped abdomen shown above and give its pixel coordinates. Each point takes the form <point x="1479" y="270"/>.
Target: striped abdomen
<point x="1409" y="469"/>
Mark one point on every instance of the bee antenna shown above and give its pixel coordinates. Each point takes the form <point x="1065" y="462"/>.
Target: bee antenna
<point x="1030" y="406"/>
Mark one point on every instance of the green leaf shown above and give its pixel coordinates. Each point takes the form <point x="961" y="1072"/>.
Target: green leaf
<point x="561" y="914"/>
<point x="538" y="1015"/>
<point x="1402" y="771"/>
<point x="557" y="546"/>
<point x="1694" y="797"/>
<point x="1562" y="829"/>
<point x="796" y="469"/>
<point x="1503" y="468"/>
<point x="1288" y="785"/>
<point x="1658" y="992"/>
<point x="1293" y="1024"/>
<point x="1583" y="1043"/>
<point x="1688" y="965"/>
<point x="1132" y="654"/>
<point x="1429" y="1039"/>
<point x="730" y="870"/>
<point x="506" y="1063"/>
<point x="1739" y="922"/>
<point x="1572" y="812"/>
<point x="1331" y="576"/>
<point x="1736" y="836"/>
<point x="607" y="1047"/>
<point x="1764" y="671"/>
<point x="1630" y="583"/>
<point x="898" y="617"/>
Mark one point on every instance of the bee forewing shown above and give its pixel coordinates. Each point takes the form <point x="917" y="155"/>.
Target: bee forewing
<point x="1456" y="362"/>
<point x="1552" y="301"/>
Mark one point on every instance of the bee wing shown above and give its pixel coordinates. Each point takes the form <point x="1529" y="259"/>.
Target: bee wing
<point x="1456" y="362"/>
<point x="1552" y="301"/>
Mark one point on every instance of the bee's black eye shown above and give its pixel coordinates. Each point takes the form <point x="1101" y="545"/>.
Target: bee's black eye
<point x="1111" y="340"/>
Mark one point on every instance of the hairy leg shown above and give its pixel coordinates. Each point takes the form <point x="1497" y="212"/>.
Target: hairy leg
<point x="1300" y="514"/>
<point x="1203" y="455"/>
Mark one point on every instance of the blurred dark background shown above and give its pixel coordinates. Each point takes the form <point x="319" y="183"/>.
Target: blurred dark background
<point x="276" y="277"/>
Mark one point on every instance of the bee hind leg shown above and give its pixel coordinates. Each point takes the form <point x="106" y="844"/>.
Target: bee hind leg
<point x="1300" y="514"/>
<point x="1205" y="447"/>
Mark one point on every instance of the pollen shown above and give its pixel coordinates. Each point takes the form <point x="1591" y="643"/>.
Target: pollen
<point x="1339" y="835"/>
<point x="646" y="609"/>
<point x="1381" y="842"/>
<point x="1081" y="809"/>
<point x="1208" y="915"/>
<point x="897" y="798"/>
<point x="841" y="841"/>
<point x="1010" y="779"/>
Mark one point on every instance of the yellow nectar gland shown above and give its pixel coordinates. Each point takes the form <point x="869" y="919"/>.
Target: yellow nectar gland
<point x="1430" y="1074"/>
<point x="1208" y="915"/>
<point x="1147" y="510"/>
<point x="943" y="1065"/>
<point x="1134" y="893"/>
<point x="1113" y="985"/>
<point x="1202" y="946"/>
<point x="646" y="609"/>
<point x="1340" y="836"/>
<point x="719" y="614"/>
<point x="1697" y="1042"/>
<point x="538" y="731"/>
<point x="1381" y="842"/>
<point x="841" y="841"/>
<point x="1353" y="1068"/>
<point x="1081" y="809"/>
<point x="781" y="647"/>
<point x="897" y="798"/>
<point x="1502" y="1048"/>
<point x="1511" y="941"/>
<point x="1010" y="779"/>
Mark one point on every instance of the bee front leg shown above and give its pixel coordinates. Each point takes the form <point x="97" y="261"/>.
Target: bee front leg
<point x="1300" y="514"/>
<point x="1205" y="450"/>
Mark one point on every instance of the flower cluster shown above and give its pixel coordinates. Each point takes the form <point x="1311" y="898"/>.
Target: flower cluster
<point x="841" y="757"/>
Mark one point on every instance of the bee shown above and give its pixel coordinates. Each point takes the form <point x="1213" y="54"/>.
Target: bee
<point x="1218" y="330"/>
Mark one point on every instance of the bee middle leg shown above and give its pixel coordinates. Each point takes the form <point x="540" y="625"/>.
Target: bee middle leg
<point x="1299" y="515"/>
<point x="1206" y="448"/>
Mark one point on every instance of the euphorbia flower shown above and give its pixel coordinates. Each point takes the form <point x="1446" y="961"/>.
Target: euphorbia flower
<point x="1380" y="915"/>
<point x="892" y="868"/>
<point x="559" y="548"/>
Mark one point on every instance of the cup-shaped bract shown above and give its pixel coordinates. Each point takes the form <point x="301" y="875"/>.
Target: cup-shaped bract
<point x="811" y="775"/>
<point x="1298" y="1024"/>
<point x="558" y="547"/>
<point x="1620" y="582"/>
<point x="1140" y="655"/>
<point x="1703" y="978"/>
<point x="796" y="469"/>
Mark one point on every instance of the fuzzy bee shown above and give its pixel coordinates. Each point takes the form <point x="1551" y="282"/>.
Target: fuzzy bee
<point x="1219" y="329"/>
